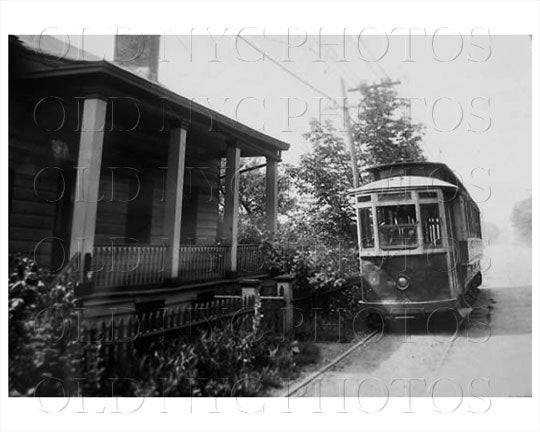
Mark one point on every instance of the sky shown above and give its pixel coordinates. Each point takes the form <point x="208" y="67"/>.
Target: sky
<point x="473" y="94"/>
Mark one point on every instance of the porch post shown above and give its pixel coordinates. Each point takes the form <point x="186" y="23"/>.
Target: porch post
<point x="83" y="224"/>
<point x="230" y="217"/>
<point x="174" y="195"/>
<point x="271" y="195"/>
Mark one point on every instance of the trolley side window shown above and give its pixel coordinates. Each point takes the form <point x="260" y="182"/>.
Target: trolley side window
<point x="431" y="225"/>
<point x="397" y="227"/>
<point x="474" y="222"/>
<point x="366" y="228"/>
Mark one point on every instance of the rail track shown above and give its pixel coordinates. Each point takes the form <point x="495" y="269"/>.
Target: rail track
<point x="461" y="319"/>
<point x="341" y="357"/>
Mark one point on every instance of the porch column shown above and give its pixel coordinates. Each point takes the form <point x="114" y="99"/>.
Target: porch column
<point x="230" y="217"/>
<point x="83" y="224"/>
<point x="271" y="195"/>
<point x="174" y="195"/>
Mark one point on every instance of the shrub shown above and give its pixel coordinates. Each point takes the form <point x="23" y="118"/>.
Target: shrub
<point x="316" y="267"/>
<point x="43" y="349"/>
<point x="226" y="361"/>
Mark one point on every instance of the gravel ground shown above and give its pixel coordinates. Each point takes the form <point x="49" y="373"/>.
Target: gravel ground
<point x="491" y="355"/>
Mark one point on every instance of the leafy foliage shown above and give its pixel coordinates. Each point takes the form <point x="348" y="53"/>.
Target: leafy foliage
<point x="315" y="267"/>
<point x="382" y="134"/>
<point x="43" y="346"/>
<point x="252" y="199"/>
<point x="383" y="131"/>
<point x="48" y="359"/>
<point x="226" y="361"/>
<point x="325" y="175"/>
<point x="522" y="219"/>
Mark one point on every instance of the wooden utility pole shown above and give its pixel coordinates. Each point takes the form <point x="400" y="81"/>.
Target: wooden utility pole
<point x="350" y="136"/>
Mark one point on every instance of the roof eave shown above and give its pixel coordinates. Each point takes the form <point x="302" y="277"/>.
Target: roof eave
<point x="116" y="72"/>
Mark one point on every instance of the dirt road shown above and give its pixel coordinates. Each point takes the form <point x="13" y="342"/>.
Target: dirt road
<point x="489" y="356"/>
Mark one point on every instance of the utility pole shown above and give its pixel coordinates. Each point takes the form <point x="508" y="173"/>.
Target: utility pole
<point x="350" y="137"/>
<point x="354" y="166"/>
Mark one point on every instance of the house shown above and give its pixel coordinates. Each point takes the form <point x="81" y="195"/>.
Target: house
<point x="118" y="178"/>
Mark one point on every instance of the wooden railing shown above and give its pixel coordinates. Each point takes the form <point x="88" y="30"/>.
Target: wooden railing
<point x="128" y="265"/>
<point x="200" y="263"/>
<point x="143" y="265"/>
<point x="250" y="258"/>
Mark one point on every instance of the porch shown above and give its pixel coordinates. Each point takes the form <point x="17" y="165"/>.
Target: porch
<point x="164" y="215"/>
<point x="137" y="182"/>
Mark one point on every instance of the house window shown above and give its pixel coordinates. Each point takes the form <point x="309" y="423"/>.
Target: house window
<point x="397" y="227"/>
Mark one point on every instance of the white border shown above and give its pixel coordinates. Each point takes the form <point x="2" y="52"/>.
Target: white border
<point x="502" y="17"/>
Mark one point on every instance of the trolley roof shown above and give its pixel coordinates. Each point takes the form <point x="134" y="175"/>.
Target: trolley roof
<point x="403" y="182"/>
<point x="435" y="170"/>
<point x="402" y="175"/>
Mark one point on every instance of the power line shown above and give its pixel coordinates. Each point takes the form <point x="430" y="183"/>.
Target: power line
<point x="342" y="72"/>
<point x="278" y="64"/>
<point x="377" y="62"/>
<point x="356" y="77"/>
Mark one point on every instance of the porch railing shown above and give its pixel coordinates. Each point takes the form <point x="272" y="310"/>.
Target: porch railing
<point x="250" y="258"/>
<point x="143" y="265"/>
<point x="128" y="265"/>
<point x="200" y="263"/>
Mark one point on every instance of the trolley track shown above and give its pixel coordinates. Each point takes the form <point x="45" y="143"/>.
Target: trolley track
<point x="306" y="381"/>
<point x="460" y="321"/>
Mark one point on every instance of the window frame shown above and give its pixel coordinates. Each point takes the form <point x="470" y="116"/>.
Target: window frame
<point x="415" y="200"/>
<point x="402" y="203"/>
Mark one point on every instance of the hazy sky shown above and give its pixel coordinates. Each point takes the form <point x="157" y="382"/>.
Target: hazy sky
<point x="474" y="94"/>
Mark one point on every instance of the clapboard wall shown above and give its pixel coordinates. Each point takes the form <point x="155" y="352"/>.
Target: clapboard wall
<point x="42" y="158"/>
<point x="132" y="206"/>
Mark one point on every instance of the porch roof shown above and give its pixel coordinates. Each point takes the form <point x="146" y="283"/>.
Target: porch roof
<point x="98" y="77"/>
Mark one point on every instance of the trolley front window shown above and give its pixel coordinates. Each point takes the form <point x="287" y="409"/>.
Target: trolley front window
<point x="397" y="227"/>
<point x="431" y="225"/>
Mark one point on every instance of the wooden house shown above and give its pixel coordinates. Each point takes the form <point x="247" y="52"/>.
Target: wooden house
<point x="117" y="176"/>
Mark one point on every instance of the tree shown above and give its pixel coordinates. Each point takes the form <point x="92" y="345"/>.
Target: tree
<point x="522" y="219"/>
<point x="325" y="175"/>
<point x="252" y="199"/>
<point x="383" y="133"/>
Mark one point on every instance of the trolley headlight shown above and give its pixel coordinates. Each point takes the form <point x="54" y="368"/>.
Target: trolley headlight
<point x="402" y="282"/>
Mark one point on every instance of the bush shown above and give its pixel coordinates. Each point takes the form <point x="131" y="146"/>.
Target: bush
<point x="43" y="349"/>
<point x="315" y="267"/>
<point x="319" y="272"/>
<point x="222" y="362"/>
